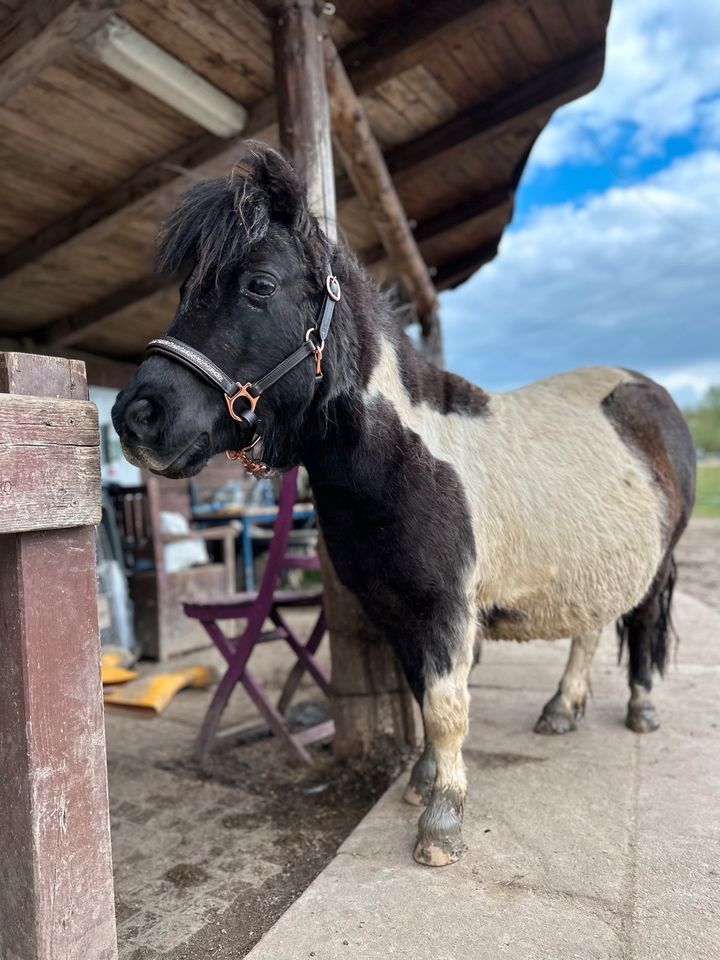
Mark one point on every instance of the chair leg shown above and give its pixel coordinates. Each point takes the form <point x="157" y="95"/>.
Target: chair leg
<point x="296" y="674"/>
<point x="210" y="724"/>
<point x="275" y="720"/>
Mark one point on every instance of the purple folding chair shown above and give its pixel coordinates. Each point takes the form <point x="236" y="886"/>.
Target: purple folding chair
<point x="255" y="608"/>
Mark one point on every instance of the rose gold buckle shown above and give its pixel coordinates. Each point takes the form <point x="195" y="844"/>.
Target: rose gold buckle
<point x="242" y="392"/>
<point x="333" y="288"/>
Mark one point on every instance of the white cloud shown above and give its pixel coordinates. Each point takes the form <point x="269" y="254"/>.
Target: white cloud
<point x="689" y="384"/>
<point x="661" y="69"/>
<point x="631" y="277"/>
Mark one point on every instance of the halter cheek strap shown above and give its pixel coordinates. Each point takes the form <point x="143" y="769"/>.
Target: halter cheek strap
<point x="194" y="360"/>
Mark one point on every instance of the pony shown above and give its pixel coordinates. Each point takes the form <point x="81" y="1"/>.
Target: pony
<point x="549" y="511"/>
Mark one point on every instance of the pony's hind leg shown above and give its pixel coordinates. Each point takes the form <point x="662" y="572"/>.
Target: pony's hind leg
<point x="445" y="713"/>
<point x="645" y="630"/>
<point x="561" y="713"/>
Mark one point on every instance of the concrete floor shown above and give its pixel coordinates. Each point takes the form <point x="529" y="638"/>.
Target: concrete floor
<point x="599" y="844"/>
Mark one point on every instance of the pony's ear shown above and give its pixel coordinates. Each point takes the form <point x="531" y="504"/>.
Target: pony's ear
<point x="267" y="170"/>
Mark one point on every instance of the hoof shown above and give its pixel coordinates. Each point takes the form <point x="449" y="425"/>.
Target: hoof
<point x="439" y="839"/>
<point x="641" y="718"/>
<point x="435" y="854"/>
<point x="558" y="716"/>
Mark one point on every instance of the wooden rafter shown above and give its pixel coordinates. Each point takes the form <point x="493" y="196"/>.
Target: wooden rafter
<point x="437" y="21"/>
<point x="392" y="47"/>
<point x="491" y="201"/>
<point x="155" y="187"/>
<point x="70" y="329"/>
<point x="42" y="31"/>
<point x="528" y="101"/>
<point x="364" y="164"/>
<point x="455" y="271"/>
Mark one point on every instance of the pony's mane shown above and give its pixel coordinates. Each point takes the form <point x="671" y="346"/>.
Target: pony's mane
<point x="212" y="228"/>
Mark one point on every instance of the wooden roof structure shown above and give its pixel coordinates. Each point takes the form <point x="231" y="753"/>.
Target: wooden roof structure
<point x="455" y="92"/>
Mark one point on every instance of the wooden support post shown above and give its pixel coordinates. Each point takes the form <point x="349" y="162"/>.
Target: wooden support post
<point x="56" y="886"/>
<point x="365" y="165"/>
<point x="371" y="700"/>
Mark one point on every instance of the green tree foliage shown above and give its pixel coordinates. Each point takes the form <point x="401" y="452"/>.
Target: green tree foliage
<point x="704" y="421"/>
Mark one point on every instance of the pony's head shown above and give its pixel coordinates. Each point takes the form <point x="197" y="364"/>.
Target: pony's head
<point x="254" y="263"/>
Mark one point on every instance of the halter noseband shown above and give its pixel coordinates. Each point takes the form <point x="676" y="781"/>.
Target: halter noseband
<point x="312" y="345"/>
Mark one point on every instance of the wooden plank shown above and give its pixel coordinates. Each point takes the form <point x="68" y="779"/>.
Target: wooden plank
<point x="450" y="274"/>
<point x="181" y="40"/>
<point x="261" y="124"/>
<point x="42" y="31"/>
<point x="56" y="889"/>
<point x="70" y="329"/>
<point x="145" y="188"/>
<point x="31" y="421"/>
<point x="49" y="464"/>
<point x="100" y="371"/>
<point x="393" y="47"/>
<point x="545" y="92"/>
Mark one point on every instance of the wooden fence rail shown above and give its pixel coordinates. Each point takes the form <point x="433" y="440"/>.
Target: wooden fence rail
<point x="56" y="887"/>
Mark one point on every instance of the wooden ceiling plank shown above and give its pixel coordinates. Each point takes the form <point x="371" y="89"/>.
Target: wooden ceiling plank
<point x="388" y="50"/>
<point x="188" y="48"/>
<point x="42" y="31"/>
<point x="68" y="330"/>
<point x="542" y="93"/>
<point x="454" y="272"/>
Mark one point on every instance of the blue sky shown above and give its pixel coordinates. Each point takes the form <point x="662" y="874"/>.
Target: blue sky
<point x="613" y="255"/>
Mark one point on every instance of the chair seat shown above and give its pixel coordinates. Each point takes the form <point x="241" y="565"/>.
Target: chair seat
<point x="237" y="604"/>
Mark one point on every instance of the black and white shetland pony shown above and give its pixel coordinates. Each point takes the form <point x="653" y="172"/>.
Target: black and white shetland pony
<point x="546" y="512"/>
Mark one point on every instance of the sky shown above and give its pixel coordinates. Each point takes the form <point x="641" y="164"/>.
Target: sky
<point x="613" y="255"/>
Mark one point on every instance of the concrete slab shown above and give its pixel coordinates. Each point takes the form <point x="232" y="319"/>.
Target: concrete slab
<point x="598" y="844"/>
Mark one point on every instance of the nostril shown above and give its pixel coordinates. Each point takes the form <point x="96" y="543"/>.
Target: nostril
<point x="139" y="415"/>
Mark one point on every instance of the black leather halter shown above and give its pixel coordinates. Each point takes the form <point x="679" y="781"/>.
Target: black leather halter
<point x="313" y="345"/>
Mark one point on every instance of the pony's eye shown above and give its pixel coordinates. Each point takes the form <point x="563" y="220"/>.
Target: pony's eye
<point x="262" y="286"/>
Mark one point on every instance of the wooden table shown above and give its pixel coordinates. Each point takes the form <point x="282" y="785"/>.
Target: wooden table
<point x="247" y="516"/>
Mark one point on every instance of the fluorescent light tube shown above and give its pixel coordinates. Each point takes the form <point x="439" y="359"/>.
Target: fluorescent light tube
<point x="120" y="47"/>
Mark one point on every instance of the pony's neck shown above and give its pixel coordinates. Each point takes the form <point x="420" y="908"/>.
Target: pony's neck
<point x="374" y="376"/>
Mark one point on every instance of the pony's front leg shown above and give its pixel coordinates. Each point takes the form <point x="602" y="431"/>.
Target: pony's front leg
<point x="445" y="713"/>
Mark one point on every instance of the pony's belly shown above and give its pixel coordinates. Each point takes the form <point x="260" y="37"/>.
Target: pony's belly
<point x="566" y="601"/>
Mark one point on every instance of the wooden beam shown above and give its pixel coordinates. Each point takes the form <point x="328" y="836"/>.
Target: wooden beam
<point x="455" y="271"/>
<point x="189" y="160"/>
<point x="531" y="99"/>
<point x="56" y="882"/>
<point x="396" y="46"/>
<point x="303" y="106"/>
<point x="370" y="699"/>
<point x="491" y="201"/>
<point x="101" y="371"/>
<point x="42" y="31"/>
<point x="364" y="164"/>
<point x="70" y="329"/>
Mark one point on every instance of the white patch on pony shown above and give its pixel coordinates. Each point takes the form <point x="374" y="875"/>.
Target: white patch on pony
<point x="575" y="682"/>
<point x="566" y="518"/>
<point x="446" y="706"/>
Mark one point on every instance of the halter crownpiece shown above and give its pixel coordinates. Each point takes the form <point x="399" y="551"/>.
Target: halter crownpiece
<point x="234" y="390"/>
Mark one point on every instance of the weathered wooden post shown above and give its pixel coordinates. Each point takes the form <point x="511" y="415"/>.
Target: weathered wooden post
<point x="56" y="886"/>
<point x="371" y="699"/>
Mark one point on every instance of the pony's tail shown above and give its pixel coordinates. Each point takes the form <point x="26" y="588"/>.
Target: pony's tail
<point x="649" y="626"/>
